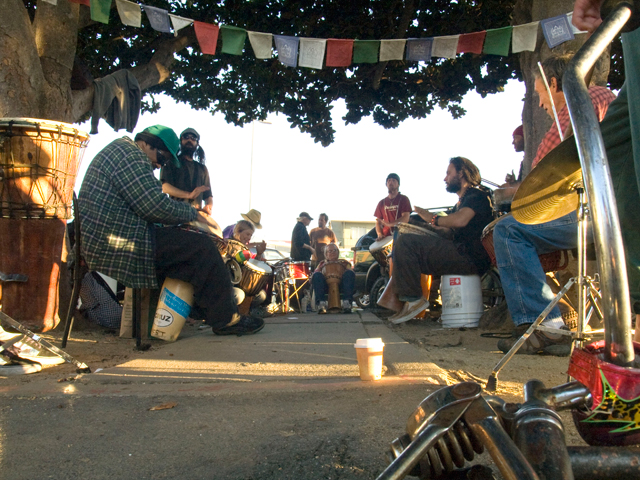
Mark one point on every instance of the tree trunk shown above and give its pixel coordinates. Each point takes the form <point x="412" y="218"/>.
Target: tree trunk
<point x="535" y="120"/>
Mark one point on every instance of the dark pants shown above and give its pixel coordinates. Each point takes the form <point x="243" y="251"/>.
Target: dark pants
<point x="194" y="258"/>
<point x="347" y="285"/>
<point x="416" y="254"/>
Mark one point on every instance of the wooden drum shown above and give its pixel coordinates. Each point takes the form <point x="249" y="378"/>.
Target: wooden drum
<point x="381" y="249"/>
<point x="255" y="275"/>
<point x="39" y="160"/>
<point x="333" y="272"/>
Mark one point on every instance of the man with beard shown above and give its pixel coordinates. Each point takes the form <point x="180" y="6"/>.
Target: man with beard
<point x="431" y="255"/>
<point x="190" y="181"/>
<point x="392" y="209"/>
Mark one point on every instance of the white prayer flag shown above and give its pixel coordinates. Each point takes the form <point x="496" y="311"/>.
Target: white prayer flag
<point x="392" y="50"/>
<point x="312" y="52"/>
<point x="524" y="37"/>
<point x="52" y="2"/>
<point x="130" y="13"/>
<point x="446" y="47"/>
<point x="262" y="44"/>
<point x="179" y="22"/>
<point x="574" y="29"/>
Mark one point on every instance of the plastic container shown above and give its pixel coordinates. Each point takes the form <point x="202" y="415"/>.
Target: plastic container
<point x="461" y="301"/>
<point x="369" y="352"/>
<point x="174" y="306"/>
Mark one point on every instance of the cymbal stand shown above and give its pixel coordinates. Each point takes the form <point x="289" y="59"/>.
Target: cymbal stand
<point x="588" y="297"/>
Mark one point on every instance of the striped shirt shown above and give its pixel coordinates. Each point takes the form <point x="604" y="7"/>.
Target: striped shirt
<point x="600" y="97"/>
<point x="120" y="200"/>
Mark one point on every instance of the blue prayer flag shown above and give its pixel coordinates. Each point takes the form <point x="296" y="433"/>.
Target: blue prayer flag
<point x="556" y="30"/>
<point x="158" y="18"/>
<point x="419" y="49"/>
<point x="287" y="48"/>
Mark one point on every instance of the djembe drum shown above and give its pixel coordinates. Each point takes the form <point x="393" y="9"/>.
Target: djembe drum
<point x="39" y="160"/>
<point x="333" y="272"/>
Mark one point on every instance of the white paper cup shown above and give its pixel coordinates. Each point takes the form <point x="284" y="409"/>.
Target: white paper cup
<point x="369" y="353"/>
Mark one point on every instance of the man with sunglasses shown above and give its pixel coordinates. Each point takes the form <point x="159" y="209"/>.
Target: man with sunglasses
<point x="121" y="203"/>
<point x="188" y="181"/>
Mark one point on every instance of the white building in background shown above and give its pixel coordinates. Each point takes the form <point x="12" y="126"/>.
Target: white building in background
<point x="349" y="231"/>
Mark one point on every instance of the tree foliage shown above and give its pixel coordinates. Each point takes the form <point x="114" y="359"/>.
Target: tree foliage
<point x="244" y="88"/>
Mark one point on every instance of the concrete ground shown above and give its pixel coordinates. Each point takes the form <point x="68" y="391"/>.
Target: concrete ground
<point x="286" y="403"/>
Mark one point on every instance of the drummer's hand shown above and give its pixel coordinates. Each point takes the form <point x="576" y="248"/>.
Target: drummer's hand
<point x="261" y="247"/>
<point x="197" y="191"/>
<point x="204" y="218"/>
<point x="510" y="178"/>
<point x="207" y="209"/>
<point x="586" y="14"/>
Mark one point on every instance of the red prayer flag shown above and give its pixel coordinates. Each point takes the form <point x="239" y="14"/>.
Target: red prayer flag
<point x="207" y="35"/>
<point x="471" y="42"/>
<point x="339" y="52"/>
<point x="82" y="2"/>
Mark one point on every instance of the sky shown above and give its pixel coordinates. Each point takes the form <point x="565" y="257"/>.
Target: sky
<point x="346" y="180"/>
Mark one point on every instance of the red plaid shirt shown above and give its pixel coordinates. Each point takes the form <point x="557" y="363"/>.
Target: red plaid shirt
<point x="601" y="98"/>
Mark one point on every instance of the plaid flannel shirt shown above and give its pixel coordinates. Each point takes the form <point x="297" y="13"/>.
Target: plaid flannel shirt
<point x="120" y="200"/>
<point x="600" y="97"/>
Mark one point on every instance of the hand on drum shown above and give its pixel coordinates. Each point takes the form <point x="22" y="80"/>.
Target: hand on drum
<point x="204" y="218"/>
<point x="197" y="191"/>
<point x="260" y="247"/>
<point x="425" y="214"/>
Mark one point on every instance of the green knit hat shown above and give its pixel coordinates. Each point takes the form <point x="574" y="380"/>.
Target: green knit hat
<point x="168" y="137"/>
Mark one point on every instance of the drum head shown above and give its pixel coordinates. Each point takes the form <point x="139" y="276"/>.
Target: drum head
<point x="417" y="230"/>
<point x="380" y="244"/>
<point x="258" y="266"/>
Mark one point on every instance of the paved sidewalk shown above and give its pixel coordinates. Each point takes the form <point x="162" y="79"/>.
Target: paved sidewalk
<point x="286" y="403"/>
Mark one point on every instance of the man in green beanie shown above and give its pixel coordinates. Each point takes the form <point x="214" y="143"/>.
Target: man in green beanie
<point x="121" y="202"/>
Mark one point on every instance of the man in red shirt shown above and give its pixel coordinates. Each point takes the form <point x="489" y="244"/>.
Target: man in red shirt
<point x="392" y="209"/>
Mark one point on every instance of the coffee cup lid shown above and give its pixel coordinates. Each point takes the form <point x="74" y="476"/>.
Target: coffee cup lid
<point x="369" y="343"/>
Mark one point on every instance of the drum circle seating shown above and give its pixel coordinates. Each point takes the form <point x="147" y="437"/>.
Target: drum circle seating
<point x="39" y="161"/>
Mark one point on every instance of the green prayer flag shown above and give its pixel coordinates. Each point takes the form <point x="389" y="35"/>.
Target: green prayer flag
<point x="497" y="41"/>
<point x="233" y="39"/>
<point x="100" y="10"/>
<point x="366" y="51"/>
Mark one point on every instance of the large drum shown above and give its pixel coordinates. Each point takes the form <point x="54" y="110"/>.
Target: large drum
<point x="551" y="262"/>
<point x="234" y="246"/>
<point x="333" y="272"/>
<point x="255" y="275"/>
<point x="39" y="160"/>
<point x="381" y="249"/>
<point x="206" y="229"/>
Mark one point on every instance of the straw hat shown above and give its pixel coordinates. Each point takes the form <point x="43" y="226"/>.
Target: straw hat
<point x="253" y="216"/>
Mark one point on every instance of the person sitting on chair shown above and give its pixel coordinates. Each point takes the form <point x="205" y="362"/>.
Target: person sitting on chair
<point x="431" y="255"/>
<point x="242" y="232"/>
<point x="347" y="283"/>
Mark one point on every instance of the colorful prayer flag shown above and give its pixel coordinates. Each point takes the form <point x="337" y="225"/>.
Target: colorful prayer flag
<point x="312" y="52"/>
<point x="471" y="42"/>
<point x="524" y="37"/>
<point x="366" y="51"/>
<point x="100" y="10"/>
<point x="497" y="41"/>
<point x="445" y="47"/>
<point x="158" y="18"/>
<point x="130" y="13"/>
<point x="339" y="52"/>
<point x="392" y="50"/>
<point x="419" y="49"/>
<point x="207" y="35"/>
<point x="261" y="44"/>
<point x="556" y="30"/>
<point x="287" y="48"/>
<point x="178" y="23"/>
<point x="233" y="39"/>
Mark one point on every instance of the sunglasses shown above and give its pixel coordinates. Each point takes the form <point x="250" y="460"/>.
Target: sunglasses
<point x="162" y="157"/>
<point x="189" y="136"/>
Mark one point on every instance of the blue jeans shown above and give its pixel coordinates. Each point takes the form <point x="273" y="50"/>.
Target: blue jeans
<point x="517" y="247"/>
<point x="347" y="285"/>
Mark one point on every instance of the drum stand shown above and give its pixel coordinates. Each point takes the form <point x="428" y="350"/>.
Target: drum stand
<point x="588" y="298"/>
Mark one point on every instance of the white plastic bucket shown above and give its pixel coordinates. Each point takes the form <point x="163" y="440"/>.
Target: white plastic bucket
<point x="174" y="306"/>
<point x="461" y="301"/>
